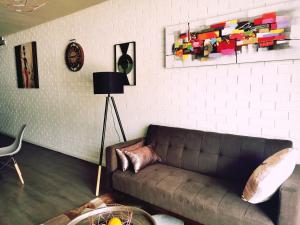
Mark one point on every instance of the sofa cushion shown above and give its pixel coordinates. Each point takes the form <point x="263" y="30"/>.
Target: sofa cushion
<point x="121" y="153"/>
<point x="212" y="153"/>
<point x="205" y="199"/>
<point x="269" y="176"/>
<point x="142" y="157"/>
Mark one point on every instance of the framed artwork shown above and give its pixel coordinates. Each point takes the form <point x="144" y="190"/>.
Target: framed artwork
<point x="243" y="37"/>
<point x="27" y="67"/>
<point x="125" y="60"/>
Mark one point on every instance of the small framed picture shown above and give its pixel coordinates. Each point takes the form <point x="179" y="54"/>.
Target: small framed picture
<point x="27" y="67"/>
<point x="125" y="61"/>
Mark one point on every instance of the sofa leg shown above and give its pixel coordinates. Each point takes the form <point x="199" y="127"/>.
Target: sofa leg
<point x="18" y="170"/>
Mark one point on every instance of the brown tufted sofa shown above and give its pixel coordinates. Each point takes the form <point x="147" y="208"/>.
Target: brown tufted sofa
<point x="203" y="175"/>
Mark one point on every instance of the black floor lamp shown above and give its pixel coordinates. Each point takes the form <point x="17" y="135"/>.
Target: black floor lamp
<point x="108" y="83"/>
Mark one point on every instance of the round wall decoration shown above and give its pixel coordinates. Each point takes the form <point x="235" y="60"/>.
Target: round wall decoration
<point x="125" y="64"/>
<point x="74" y="56"/>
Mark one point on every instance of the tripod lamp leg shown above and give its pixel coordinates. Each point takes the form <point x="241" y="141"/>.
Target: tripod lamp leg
<point x="98" y="180"/>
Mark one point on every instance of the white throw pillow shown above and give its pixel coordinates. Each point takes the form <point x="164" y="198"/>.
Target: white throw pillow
<point x="121" y="153"/>
<point x="267" y="178"/>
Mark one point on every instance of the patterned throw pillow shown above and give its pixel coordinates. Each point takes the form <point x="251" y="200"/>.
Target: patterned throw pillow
<point x="122" y="156"/>
<point x="142" y="157"/>
<point x="269" y="176"/>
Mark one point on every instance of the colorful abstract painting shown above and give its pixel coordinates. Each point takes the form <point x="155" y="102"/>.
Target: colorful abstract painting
<point x="231" y="41"/>
<point x="26" y="63"/>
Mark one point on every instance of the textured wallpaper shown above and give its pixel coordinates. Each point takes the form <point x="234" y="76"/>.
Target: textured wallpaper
<point x="257" y="99"/>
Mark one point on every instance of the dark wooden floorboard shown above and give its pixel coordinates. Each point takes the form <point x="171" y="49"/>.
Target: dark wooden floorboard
<point x="54" y="183"/>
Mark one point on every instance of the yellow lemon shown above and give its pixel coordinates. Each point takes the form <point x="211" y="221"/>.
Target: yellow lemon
<point x="114" y="221"/>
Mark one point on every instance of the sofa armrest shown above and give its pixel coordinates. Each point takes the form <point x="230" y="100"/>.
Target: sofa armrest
<point x="111" y="155"/>
<point x="112" y="159"/>
<point x="289" y="200"/>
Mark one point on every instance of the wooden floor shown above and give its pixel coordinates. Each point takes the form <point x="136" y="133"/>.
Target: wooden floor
<point x="54" y="183"/>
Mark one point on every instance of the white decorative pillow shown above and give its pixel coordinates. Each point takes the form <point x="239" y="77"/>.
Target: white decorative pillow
<point x="268" y="177"/>
<point x="123" y="158"/>
<point x="142" y="157"/>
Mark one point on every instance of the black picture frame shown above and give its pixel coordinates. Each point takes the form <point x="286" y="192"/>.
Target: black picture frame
<point x="124" y="56"/>
<point x="27" y="65"/>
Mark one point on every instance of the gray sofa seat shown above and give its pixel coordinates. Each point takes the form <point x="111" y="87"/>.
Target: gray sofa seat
<point x="196" y="196"/>
<point x="202" y="175"/>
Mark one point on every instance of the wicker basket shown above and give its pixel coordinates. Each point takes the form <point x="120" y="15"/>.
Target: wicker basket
<point x="128" y="215"/>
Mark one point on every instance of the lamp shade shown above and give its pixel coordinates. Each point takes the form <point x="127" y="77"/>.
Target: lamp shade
<point x="109" y="82"/>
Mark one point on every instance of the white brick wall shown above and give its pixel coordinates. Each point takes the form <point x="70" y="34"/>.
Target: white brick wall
<point x="257" y="99"/>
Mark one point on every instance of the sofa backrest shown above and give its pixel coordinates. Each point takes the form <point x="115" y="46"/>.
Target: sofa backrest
<point x="222" y="155"/>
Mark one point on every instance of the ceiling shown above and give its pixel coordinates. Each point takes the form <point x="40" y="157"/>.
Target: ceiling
<point x="11" y="22"/>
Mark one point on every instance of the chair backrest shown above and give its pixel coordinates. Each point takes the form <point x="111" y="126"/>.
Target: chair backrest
<point x="16" y="145"/>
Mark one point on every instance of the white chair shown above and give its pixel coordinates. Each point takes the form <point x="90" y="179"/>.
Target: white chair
<point x="11" y="150"/>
